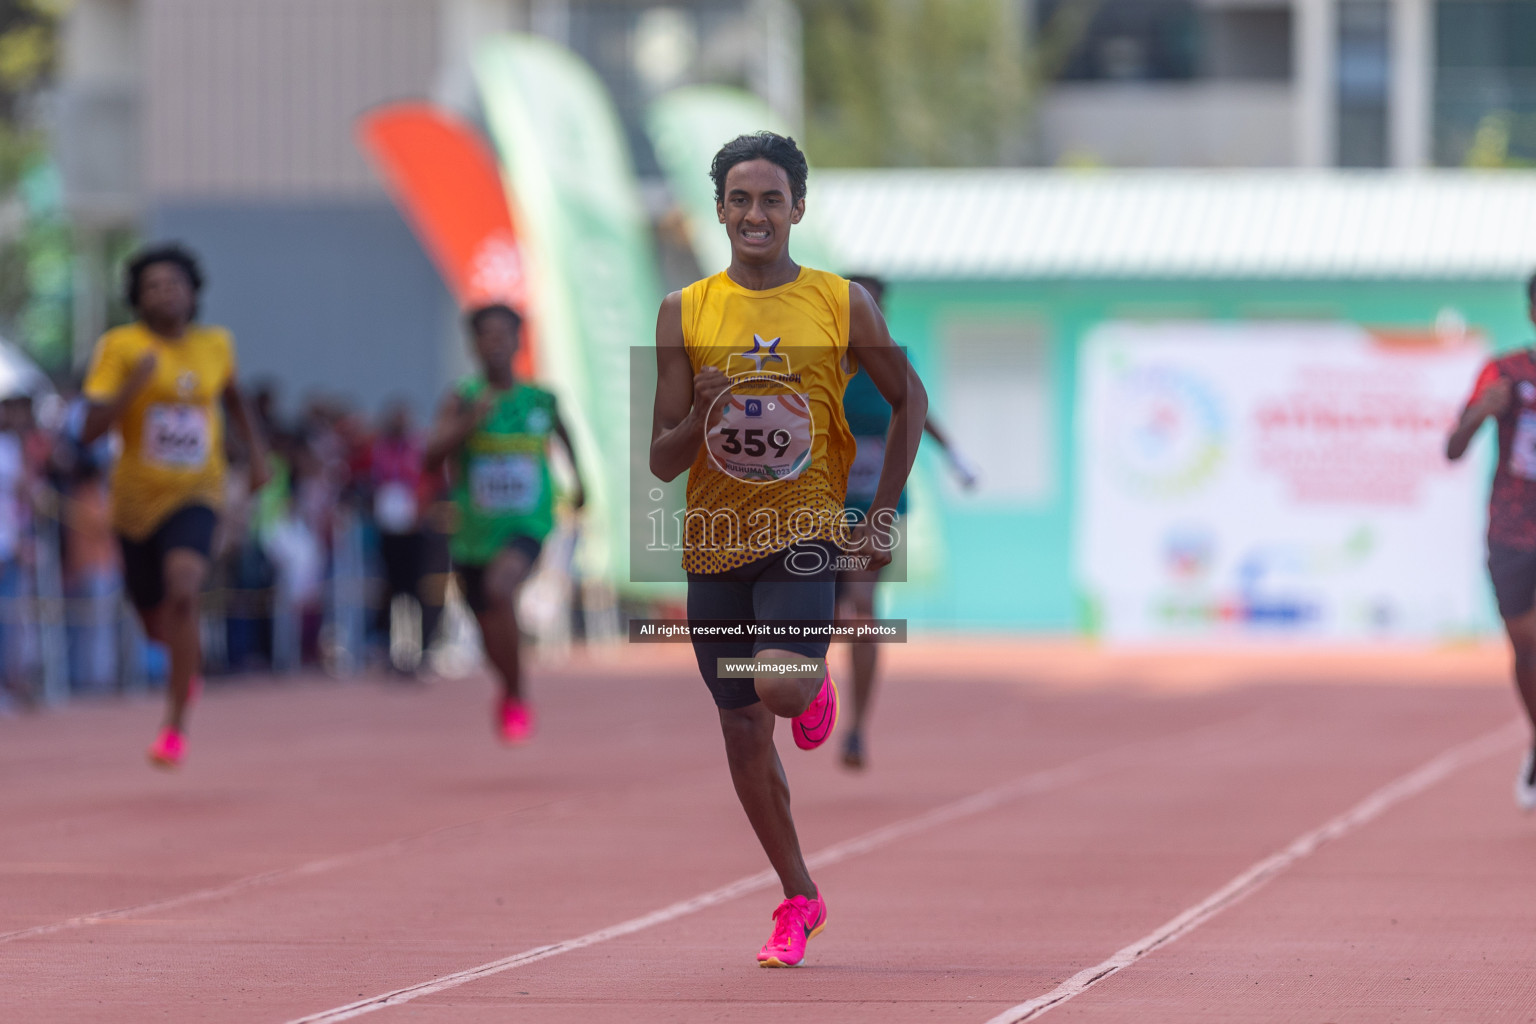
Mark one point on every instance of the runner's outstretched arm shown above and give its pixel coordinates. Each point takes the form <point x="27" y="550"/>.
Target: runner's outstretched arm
<point x="1493" y="401"/>
<point x="100" y="416"/>
<point x="579" y="499"/>
<point x="238" y="410"/>
<point x="899" y="385"/>
<point x="961" y="468"/>
<point x="683" y="398"/>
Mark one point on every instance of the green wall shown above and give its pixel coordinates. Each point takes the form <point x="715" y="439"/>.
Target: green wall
<point x="1007" y="566"/>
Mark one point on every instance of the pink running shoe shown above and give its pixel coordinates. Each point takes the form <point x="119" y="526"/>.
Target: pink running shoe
<point x="514" y="721"/>
<point x="795" y="923"/>
<point x="813" y="725"/>
<point x="168" y="750"/>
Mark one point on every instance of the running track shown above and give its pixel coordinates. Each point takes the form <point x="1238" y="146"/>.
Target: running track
<point x="1337" y="834"/>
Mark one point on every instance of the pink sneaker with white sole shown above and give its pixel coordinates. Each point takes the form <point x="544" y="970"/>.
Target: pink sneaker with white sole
<point x="795" y="922"/>
<point x="812" y="726"/>
<point x="514" y="721"/>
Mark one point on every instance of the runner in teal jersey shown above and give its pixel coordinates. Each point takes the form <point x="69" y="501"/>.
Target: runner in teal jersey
<point x="493" y="434"/>
<point x="869" y="420"/>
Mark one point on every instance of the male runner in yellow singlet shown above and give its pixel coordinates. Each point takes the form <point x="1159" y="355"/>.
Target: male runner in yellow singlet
<point x="752" y="364"/>
<point x="160" y="381"/>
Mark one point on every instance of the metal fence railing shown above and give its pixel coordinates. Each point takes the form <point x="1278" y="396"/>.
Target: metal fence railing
<point x="60" y="640"/>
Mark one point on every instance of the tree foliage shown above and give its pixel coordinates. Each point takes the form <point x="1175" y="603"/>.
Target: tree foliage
<point x="934" y="83"/>
<point x="28" y="49"/>
<point x="35" y="243"/>
<point x="913" y="82"/>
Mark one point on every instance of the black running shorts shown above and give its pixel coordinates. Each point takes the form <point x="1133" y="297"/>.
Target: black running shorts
<point x="765" y="590"/>
<point x="471" y="578"/>
<point x="144" y="560"/>
<point x="1513" y="572"/>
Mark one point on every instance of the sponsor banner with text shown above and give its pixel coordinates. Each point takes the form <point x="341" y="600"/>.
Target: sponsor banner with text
<point x="1264" y="481"/>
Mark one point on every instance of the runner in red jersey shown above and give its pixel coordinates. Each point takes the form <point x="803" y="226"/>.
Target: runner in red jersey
<point x="1506" y="391"/>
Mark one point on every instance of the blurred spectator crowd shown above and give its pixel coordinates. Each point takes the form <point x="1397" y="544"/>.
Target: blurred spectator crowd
<point x="340" y="562"/>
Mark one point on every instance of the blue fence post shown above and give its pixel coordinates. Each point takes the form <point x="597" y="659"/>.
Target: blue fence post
<point x="347" y="611"/>
<point x="53" y="650"/>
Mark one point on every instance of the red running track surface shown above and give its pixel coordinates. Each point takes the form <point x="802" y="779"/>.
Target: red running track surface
<point x="333" y="842"/>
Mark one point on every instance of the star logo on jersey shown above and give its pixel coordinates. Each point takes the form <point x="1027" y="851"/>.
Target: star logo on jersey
<point x="186" y="384"/>
<point x="762" y="351"/>
<point x="762" y="359"/>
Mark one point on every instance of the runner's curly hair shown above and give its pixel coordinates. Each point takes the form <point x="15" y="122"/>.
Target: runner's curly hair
<point x="173" y="253"/>
<point x="776" y="149"/>
<point x="477" y="317"/>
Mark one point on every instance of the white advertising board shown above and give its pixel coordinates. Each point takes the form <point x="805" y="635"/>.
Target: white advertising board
<point x="1269" y="481"/>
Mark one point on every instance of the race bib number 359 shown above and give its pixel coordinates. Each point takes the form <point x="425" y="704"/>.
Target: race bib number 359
<point x="504" y="483"/>
<point x="761" y="438"/>
<point x="177" y="436"/>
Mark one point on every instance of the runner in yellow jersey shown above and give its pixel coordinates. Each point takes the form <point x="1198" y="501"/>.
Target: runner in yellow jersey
<point x="752" y="364"/>
<point x="160" y="382"/>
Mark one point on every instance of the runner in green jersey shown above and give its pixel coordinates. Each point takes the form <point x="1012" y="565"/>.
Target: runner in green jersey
<point x="493" y="433"/>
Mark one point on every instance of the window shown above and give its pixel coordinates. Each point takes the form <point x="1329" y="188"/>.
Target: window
<point x="1363" y="82"/>
<point x="1129" y="40"/>
<point x="999" y="409"/>
<point x="1485" y="83"/>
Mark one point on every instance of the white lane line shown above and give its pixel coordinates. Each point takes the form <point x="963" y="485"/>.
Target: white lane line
<point x="1250" y="881"/>
<point x="1038" y="782"/>
<point x="314" y="867"/>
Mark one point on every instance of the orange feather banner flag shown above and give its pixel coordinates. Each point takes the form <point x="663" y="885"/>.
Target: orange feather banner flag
<point x="446" y="182"/>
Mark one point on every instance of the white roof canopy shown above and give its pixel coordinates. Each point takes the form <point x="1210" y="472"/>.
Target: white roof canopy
<point x="1024" y="224"/>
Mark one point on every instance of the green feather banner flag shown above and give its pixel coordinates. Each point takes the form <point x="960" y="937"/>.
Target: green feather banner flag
<point x="594" y="286"/>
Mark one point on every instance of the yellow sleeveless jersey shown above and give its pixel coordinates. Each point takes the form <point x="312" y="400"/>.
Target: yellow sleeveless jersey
<point x="173" y="430"/>
<point x="773" y="469"/>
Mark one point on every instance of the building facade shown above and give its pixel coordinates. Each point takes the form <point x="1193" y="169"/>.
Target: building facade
<point x="229" y="125"/>
<point x="1000" y="283"/>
